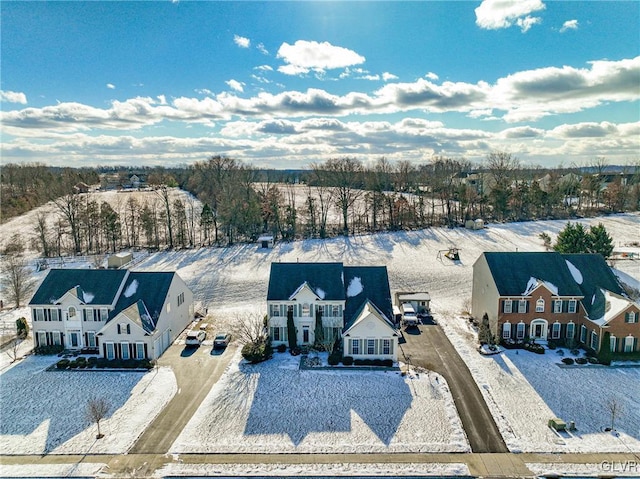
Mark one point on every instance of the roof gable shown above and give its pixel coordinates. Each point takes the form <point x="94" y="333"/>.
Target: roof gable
<point x="90" y="286"/>
<point x="150" y="289"/>
<point x="368" y="311"/>
<point x="366" y="283"/>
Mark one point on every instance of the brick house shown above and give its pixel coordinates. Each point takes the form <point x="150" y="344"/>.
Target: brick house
<point x="553" y="296"/>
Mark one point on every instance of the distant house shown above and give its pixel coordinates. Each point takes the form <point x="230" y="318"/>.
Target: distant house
<point x="553" y="296"/>
<point x="117" y="314"/>
<point x="353" y="303"/>
<point x="266" y="241"/>
<point x="119" y="259"/>
<point x="81" y="188"/>
<point x="420" y="301"/>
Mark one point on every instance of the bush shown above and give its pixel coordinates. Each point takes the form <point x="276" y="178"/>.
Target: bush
<point x="63" y="364"/>
<point x="552" y="345"/>
<point x="581" y="360"/>
<point x="22" y="327"/>
<point x="257" y="352"/>
<point x="387" y="363"/>
<point x="92" y="360"/>
<point x="296" y="351"/>
<point x="347" y="360"/>
<point x="281" y="348"/>
<point x="48" y="350"/>
<point x="568" y="360"/>
<point x="81" y="359"/>
<point x="73" y="364"/>
<point x="593" y="360"/>
<point x="334" y="359"/>
<point x="575" y="352"/>
<point x="534" y="348"/>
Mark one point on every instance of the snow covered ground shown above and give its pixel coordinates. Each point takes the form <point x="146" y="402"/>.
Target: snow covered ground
<point x="274" y="407"/>
<point x="44" y="411"/>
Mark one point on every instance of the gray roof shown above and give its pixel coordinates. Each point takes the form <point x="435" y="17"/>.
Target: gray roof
<point x="333" y="279"/>
<point x="286" y="278"/>
<point x="150" y="289"/>
<point x="512" y="271"/>
<point x="98" y="285"/>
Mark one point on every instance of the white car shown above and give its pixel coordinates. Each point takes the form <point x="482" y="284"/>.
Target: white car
<point x="195" y="338"/>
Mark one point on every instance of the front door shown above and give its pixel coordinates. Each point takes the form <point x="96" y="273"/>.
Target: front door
<point x="538" y="331"/>
<point x="305" y="334"/>
<point x="74" y="339"/>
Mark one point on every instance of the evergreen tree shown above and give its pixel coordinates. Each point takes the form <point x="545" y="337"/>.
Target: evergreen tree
<point x="291" y="330"/>
<point x="600" y="241"/>
<point x="572" y="239"/>
<point x="319" y="331"/>
<point x="485" y="336"/>
<point x="604" y="356"/>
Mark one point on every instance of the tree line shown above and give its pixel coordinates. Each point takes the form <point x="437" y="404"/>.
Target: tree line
<point x="341" y="196"/>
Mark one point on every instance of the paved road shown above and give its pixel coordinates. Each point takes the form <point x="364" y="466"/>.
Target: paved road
<point x="196" y="371"/>
<point x="428" y="347"/>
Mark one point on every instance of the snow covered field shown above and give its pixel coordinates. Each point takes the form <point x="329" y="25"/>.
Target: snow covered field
<point x="274" y="407"/>
<point x="43" y="411"/>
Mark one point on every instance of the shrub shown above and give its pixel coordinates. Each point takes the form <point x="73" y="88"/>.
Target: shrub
<point x="568" y="360"/>
<point x="347" y="360"/>
<point x="581" y="360"/>
<point x="295" y="351"/>
<point x="48" y="350"/>
<point x="22" y="327"/>
<point x="81" y="359"/>
<point x="63" y="364"/>
<point x="552" y="345"/>
<point x="387" y="363"/>
<point x="73" y="364"/>
<point x="534" y="348"/>
<point x="257" y="352"/>
<point x="281" y="348"/>
<point x="334" y="359"/>
<point x="92" y="360"/>
<point x="575" y="352"/>
<point x="593" y="360"/>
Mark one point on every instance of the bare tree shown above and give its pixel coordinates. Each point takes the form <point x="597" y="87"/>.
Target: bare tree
<point x="614" y="407"/>
<point x="12" y="352"/>
<point x="97" y="409"/>
<point x="250" y="327"/>
<point x="70" y="206"/>
<point x="16" y="282"/>
<point x="345" y="175"/>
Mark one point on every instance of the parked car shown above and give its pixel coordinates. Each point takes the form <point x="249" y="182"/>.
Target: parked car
<point x="221" y="340"/>
<point x="195" y="338"/>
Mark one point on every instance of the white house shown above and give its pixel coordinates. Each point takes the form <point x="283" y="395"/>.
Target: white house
<point x="118" y="314"/>
<point x="353" y="303"/>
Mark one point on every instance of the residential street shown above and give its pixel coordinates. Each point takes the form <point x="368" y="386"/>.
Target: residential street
<point x="429" y="347"/>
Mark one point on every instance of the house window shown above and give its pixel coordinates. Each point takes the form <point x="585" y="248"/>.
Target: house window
<point x="42" y="338"/>
<point x="613" y="343"/>
<point x="386" y="346"/>
<point x="570" y="330"/>
<point x="540" y="306"/>
<point x="320" y="310"/>
<point x="72" y="312"/>
<point x="139" y="350"/>
<point x="371" y="346"/>
<point x="128" y="329"/>
<point x="506" y="331"/>
<point x="57" y="338"/>
<point x="168" y="307"/>
<point x="278" y="333"/>
<point x="630" y="317"/>
<point x="104" y="314"/>
<point x="628" y="344"/>
<point x="335" y="311"/>
<point x="110" y="350"/>
<point x="557" y="306"/>
<point x="555" y="331"/>
<point x="594" y="340"/>
<point x="39" y="314"/>
<point x="583" y="334"/>
<point x="180" y="299"/>
<point x="54" y="314"/>
<point x="520" y="331"/>
<point x="87" y="314"/>
<point x="275" y="310"/>
<point x="355" y="346"/>
<point x="572" y="305"/>
<point x="124" y="350"/>
<point x="522" y="306"/>
<point x="507" y="305"/>
<point x="91" y="339"/>
<point x="306" y="310"/>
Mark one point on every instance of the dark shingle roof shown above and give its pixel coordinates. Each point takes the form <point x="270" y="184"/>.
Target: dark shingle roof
<point x="286" y="278"/>
<point x="596" y="276"/>
<point x="98" y="285"/>
<point x="150" y="288"/>
<point x="375" y="288"/>
<point x="512" y="271"/>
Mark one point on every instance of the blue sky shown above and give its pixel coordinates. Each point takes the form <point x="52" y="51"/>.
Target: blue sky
<point x="285" y="84"/>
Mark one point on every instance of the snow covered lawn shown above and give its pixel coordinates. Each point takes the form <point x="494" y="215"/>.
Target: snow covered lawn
<point x="274" y="407"/>
<point x="44" y="411"/>
<point x="524" y="390"/>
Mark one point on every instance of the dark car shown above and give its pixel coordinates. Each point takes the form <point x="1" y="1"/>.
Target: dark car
<point x="221" y="340"/>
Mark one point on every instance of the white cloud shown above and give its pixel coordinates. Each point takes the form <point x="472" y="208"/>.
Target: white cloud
<point x="304" y="56"/>
<point x="242" y="42"/>
<point x="204" y="91"/>
<point x="8" y="96"/>
<point x="235" y="85"/>
<point x="261" y="48"/>
<point x="569" y="25"/>
<point x="111" y="86"/>
<point x="264" y="68"/>
<point x="386" y="76"/>
<point x="496" y="14"/>
<point x="432" y="76"/>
